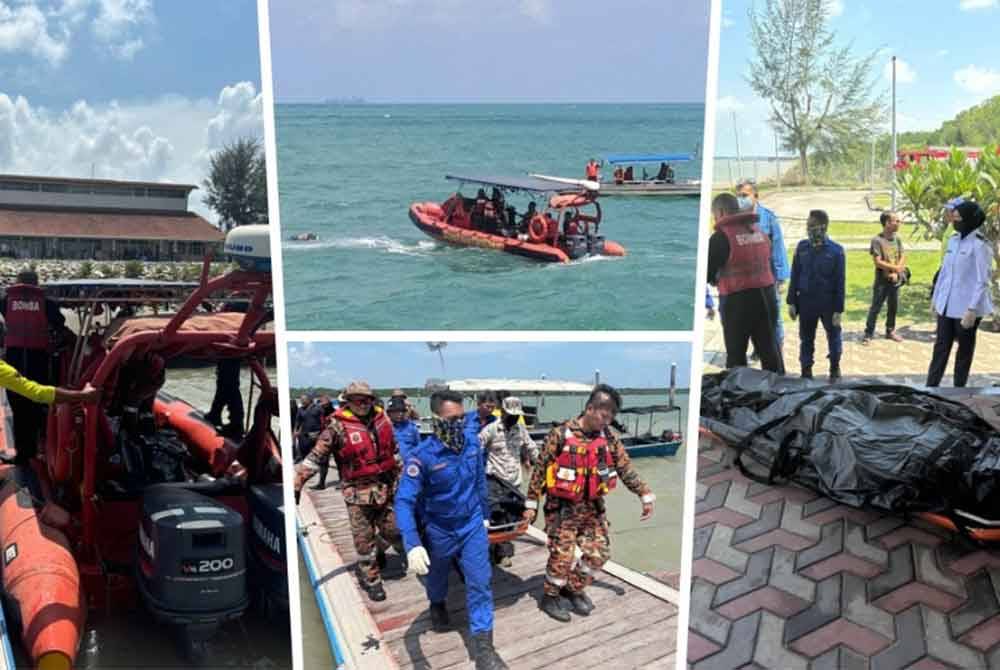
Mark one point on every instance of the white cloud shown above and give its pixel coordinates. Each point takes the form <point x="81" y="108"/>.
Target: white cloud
<point x="307" y="362"/>
<point x="970" y="5"/>
<point x="117" y="23"/>
<point x="537" y="10"/>
<point x="978" y="80"/>
<point x="168" y="139"/>
<point x="835" y="7"/>
<point x="942" y="52"/>
<point x="904" y="73"/>
<point x="728" y="103"/>
<point x="25" y="28"/>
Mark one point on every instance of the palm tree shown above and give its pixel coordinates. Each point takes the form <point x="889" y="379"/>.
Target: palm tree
<point x="438" y="346"/>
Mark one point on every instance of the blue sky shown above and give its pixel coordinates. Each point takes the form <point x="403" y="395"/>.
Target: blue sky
<point x="386" y="364"/>
<point x="947" y="50"/>
<point x="513" y="51"/>
<point x="126" y="89"/>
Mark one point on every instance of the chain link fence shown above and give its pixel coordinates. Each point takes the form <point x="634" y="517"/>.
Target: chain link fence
<point x="780" y="171"/>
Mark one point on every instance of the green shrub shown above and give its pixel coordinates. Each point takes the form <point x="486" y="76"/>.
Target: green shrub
<point x="134" y="269"/>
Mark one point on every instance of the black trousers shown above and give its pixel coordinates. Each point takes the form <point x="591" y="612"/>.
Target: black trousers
<point x="227" y="392"/>
<point x="29" y="416"/>
<point x="883" y="293"/>
<point x="749" y="316"/>
<point x="948" y="332"/>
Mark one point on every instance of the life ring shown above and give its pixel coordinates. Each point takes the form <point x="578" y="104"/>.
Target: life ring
<point x="538" y="228"/>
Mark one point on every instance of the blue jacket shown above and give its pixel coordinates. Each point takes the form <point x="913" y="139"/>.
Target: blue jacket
<point x="473" y="425"/>
<point x="448" y="488"/>
<point x="407" y="437"/>
<point x="817" y="281"/>
<point x="770" y="226"/>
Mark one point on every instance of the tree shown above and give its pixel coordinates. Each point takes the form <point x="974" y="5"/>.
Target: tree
<point x="926" y="187"/>
<point x="820" y="95"/>
<point x="237" y="184"/>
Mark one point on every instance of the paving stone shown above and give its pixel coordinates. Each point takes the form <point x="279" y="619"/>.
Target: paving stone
<point x="909" y="646"/>
<point x="900" y="572"/>
<point x="784" y="577"/>
<point x="825" y="609"/>
<point x="736" y="500"/>
<point x="984" y="636"/>
<point x="768" y="598"/>
<point x="886" y="524"/>
<point x="941" y="645"/>
<point x="911" y="593"/>
<point x="770" y="518"/>
<point x="792" y="521"/>
<point x="793" y="494"/>
<point x="740" y="649"/>
<point x="841" y="631"/>
<point x="981" y="605"/>
<point x="699" y="647"/>
<point x="928" y="663"/>
<point x="855" y="543"/>
<point x="839" y="658"/>
<point x="720" y="548"/>
<point x="713" y="470"/>
<point x="857" y="609"/>
<point x="712" y="571"/>
<point x="756" y="575"/>
<point x="975" y="561"/>
<point x="818" y="505"/>
<point x="842" y="562"/>
<point x="700" y="491"/>
<point x="830" y="544"/>
<point x="769" y="652"/>
<point x="714" y="499"/>
<point x="723" y="515"/>
<point x="778" y="536"/>
<point x="701" y="538"/>
<point x="929" y="571"/>
<point x="906" y="534"/>
<point x="704" y="620"/>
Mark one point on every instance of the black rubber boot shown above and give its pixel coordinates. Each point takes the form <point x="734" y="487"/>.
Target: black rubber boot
<point x="807" y="372"/>
<point x="835" y="375"/>
<point x="486" y="656"/>
<point x="375" y="591"/>
<point x="440" y="621"/>
<point x="579" y="602"/>
<point x="380" y="560"/>
<point x="552" y="605"/>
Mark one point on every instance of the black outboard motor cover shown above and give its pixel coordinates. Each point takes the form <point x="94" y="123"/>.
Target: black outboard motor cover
<point x="192" y="559"/>
<point x="268" y="561"/>
<point x="576" y="246"/>
<point x="597" y="244"/>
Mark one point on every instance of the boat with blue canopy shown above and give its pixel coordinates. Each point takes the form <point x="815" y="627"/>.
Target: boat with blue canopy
<point x="624" y="180"/>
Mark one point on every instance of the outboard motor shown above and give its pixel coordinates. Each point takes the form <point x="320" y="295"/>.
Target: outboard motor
<point x="597" y="244"/>
<point x="268" y="562"/>
<point x="576" y="246"/>
<point x="191" y="571"/>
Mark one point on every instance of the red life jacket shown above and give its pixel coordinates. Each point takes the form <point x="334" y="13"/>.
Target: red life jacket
<point x="592" y="171"/>
<point x="27" y="323"/>
<point x="360" y="455"/>
<point x="582" y="470"/>
<point x="749" y="264"/>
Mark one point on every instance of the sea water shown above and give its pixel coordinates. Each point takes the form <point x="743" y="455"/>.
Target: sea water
<point x="350" y="172"/>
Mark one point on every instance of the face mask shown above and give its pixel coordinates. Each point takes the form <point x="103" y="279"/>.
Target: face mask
<point x="509" y="420"/>
<point x="746" y="204"/>
<point x="450" y="432"/>
<point x="816" y="232"/>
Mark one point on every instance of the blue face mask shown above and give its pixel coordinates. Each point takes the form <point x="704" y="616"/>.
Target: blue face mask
<point x="746" y="204"/>
<point x="451" y="432"/>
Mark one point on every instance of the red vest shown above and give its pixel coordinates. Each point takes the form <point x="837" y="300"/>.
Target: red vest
<point x="27" y="323"/>
<point x="582" y="470"/>
<point x="591" y="170"/>
<point x="360" y="455"/>
<point x="749" y="264"/>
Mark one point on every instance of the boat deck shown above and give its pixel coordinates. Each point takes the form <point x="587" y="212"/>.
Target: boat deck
<point x="632" y="626"/>
<point x="786" y="578"/>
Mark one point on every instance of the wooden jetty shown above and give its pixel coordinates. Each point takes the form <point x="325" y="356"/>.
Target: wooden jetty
<point x="634" y="624"/>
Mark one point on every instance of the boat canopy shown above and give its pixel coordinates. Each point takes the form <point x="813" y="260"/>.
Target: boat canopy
<point x="514" y="385"/>
<point x="532" y="184"/>
<point x="647" y="158"/>
<point x="649" y="409"/>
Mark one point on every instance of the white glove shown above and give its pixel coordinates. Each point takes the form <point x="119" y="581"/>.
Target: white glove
<point x="418" y="559"/>
<point x="486" y="523"/>
<point x="835" y="319"/>
<point x="968" y="319"/>
<point x="793" y="311"/>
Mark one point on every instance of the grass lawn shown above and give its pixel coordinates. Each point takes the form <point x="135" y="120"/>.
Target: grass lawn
<point x="914" y="298"/>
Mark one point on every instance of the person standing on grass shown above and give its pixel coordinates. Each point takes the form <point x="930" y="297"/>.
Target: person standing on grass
<point x="890" y="268"/>
<point x="816" y="293"/>
<point x="961" y="294"/>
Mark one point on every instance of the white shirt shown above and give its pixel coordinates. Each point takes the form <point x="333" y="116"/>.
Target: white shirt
<point x="964" y="282"/>
<point x="504" y="449"/>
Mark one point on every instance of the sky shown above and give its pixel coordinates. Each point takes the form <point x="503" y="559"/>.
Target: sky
<point x="126" y="89"/>
<point x="390" y="364"/>
<point x="502" y="51"/>
<point x="948" y="59"/>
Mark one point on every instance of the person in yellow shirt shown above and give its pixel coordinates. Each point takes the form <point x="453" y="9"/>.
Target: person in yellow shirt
<point x="12" y="380"/>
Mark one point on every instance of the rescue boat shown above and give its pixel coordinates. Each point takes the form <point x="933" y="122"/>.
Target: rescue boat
<point x="155" y="506"/>
<point x="565" y="228"/>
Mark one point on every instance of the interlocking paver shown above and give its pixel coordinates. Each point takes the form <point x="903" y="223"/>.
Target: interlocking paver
<point x="740" y="649"/>
<point x="981" y="605"/>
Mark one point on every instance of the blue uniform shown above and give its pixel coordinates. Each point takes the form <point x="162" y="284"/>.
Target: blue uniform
<point x="816" y="288"/>
<point x="407" y="437"/>
<point x="449" y="491"/>
<point x="769" y="225"/>
<point x="473" y="425"/>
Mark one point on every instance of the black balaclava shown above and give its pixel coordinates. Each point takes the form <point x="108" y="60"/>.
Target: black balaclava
<point x="972" y="215"/>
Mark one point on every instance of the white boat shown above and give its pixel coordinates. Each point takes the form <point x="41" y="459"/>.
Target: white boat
<point x="623" y="185"/>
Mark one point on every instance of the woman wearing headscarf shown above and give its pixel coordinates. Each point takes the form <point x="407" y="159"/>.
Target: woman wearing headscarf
<point x="961" y="294"/>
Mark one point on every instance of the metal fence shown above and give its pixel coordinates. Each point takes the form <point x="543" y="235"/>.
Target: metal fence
<point x="784" y="170"/>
